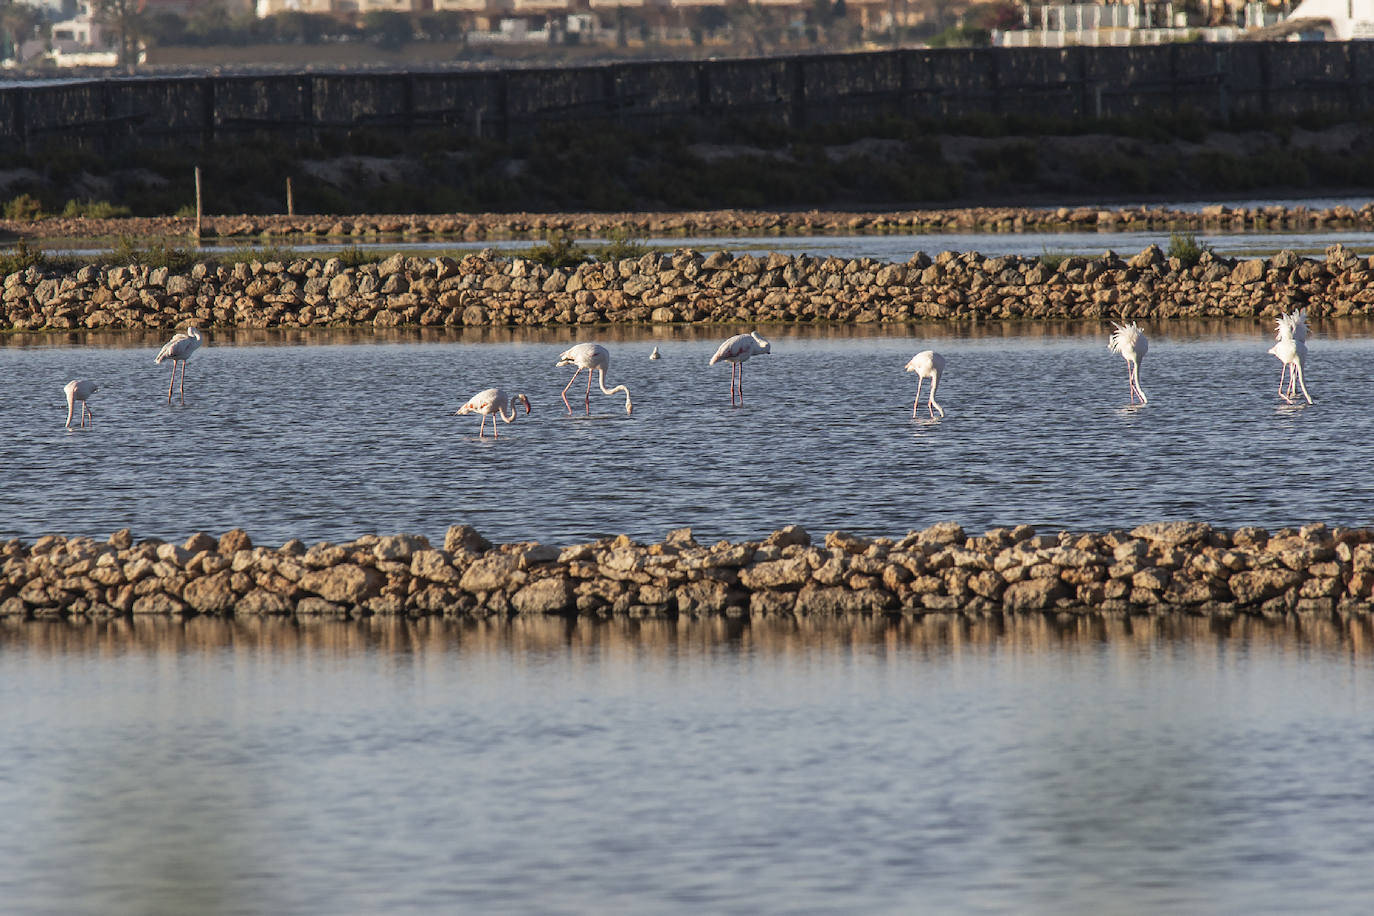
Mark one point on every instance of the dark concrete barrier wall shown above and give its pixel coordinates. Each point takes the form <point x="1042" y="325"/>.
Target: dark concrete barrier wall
<point x="1215" y="81"/>
<point x="1156" y="568"/>
<point x="484" y="290"/>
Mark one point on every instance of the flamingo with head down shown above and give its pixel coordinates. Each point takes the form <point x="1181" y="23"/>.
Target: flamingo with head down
<point x="491" y="401"/>
<point x="593" y="358"/>
<point x="1291" y="350"/>
<point x="1130" y="341"/>
<point x="79" y="390"/>
<point x="927" y="365"/>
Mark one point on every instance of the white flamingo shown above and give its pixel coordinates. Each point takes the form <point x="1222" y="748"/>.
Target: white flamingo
<point x="79" y="389"/>
<point x="493" y="401"/>
<point x="927" y="365"/>
<point x="178" y="350"/>
<point x="736" y="351"/>
<point x="1291" y="349"/>
<point x="654" y="354"/>
<point x="593" y="358"/>
<point x="1129" y="340"/>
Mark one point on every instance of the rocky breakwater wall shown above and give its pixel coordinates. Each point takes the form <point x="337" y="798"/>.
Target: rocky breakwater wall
<point x="479" y="226"/>
<point x="486" y="290"/>
<point x="1156" y="568"/>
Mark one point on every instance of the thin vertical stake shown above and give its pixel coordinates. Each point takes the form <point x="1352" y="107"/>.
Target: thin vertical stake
<point x="198" y="207"/>
<point x="290" y="199"/>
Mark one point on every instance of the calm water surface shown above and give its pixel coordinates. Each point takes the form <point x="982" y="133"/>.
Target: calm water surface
<point x="897" y="247"/>
<point x="325" y="437"/>
<point x="543" y="767"/>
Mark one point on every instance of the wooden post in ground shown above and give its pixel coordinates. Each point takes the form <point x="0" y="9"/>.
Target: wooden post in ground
<point x="198" y="207"/>
<point x="290" y="200"/>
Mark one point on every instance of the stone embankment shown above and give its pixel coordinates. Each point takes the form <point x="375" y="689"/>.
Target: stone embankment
<point x="478" y="226"/>
<point x="487" y="290"/>
<point x="1156" y="568"/>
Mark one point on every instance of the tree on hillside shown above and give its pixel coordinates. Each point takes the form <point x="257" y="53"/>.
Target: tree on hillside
<point x="122" y="16"/>
<point x="17" y="21"/>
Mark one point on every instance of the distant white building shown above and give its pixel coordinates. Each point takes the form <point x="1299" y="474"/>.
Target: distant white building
<point x="1332" y="20"/>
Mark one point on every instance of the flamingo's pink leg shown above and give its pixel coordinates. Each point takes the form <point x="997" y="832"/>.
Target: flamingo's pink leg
<point x="172" y="381"/>
<point x="183" y="381"/>
<point x="741" y="384"/>
<point x="587" y="401"/>
<point x="567" y="386"/>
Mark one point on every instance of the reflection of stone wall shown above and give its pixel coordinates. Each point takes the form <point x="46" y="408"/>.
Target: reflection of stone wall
<point x="1161" y="567"/>
<point x="625" y="640"/>
<point x="685" y="287"/>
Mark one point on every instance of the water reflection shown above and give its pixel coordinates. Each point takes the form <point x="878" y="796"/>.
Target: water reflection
<point x="932" y="634"/>
<point x="1346" y="328"/>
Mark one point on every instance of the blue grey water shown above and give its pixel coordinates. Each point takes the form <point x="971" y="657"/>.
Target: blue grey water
<point x="894" y="247"/>
<point x="331" y="436"/>
<point x="1017" y="766"/>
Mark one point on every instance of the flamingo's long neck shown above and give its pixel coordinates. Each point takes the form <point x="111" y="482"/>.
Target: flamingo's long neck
<point x="514" y="411"/>
<point x="601" y="380"/>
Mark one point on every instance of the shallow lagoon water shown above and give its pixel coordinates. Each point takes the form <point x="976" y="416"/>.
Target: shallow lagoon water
<point x="1016" y="765"/>
<point x="320" y="436"/>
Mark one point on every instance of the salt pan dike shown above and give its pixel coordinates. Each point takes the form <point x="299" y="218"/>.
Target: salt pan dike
<point x="1158" y="568"/>
<point x="685" y="287"/>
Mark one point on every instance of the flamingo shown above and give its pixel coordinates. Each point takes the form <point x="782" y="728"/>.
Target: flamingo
<point x="79" y="389"/>
<point x="1291" y="350"/>
<point x="179" y="349"/>
<point x="736" y="351"/>
<point x="592" y="357"/>
<point x="493" y="401"/>
<point x="1129" y="340"/>
<point x="654" y="354"/>
<point x="927" y="365"/>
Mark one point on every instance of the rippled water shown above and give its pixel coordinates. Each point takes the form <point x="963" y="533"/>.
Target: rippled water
<point x="325" y="437"/>
<point x="543" y="767"/>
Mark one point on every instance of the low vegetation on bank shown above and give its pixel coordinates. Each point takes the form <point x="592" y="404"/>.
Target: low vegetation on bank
<point x="599" y="167"/>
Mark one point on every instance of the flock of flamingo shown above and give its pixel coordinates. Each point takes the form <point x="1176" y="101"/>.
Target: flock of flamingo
<point x="1128" y="340"/>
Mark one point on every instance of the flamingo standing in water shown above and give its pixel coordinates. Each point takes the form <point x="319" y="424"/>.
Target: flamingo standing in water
<point x="736" y="351"/>
<point x="493" y="401"/>
<point x="79" y="390"/>
<point x="927" y="365"/>
<point x="1291" y="350"/>
<point x="1129" y="340"/>
<point x="178" y="350"/>
<point x="593" y="358"/>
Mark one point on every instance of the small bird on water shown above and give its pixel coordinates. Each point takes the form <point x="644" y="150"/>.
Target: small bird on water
<point x="654" y="354"/>
<point x="79" y="390"/>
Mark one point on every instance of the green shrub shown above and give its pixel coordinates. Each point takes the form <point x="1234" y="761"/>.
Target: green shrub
<point x="95" y="209"/>
<point x="622" y="245"/>
<point x="1186" y="247"/>
<point x="157" y="254"/>
<point x="558" y="250"/>
<point x="25" y="207"/>
<point x="1050" y="259"/>
<point x="353" y="256"/>
<point x="263" y="253"/>
<point x="21" y="258"/>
